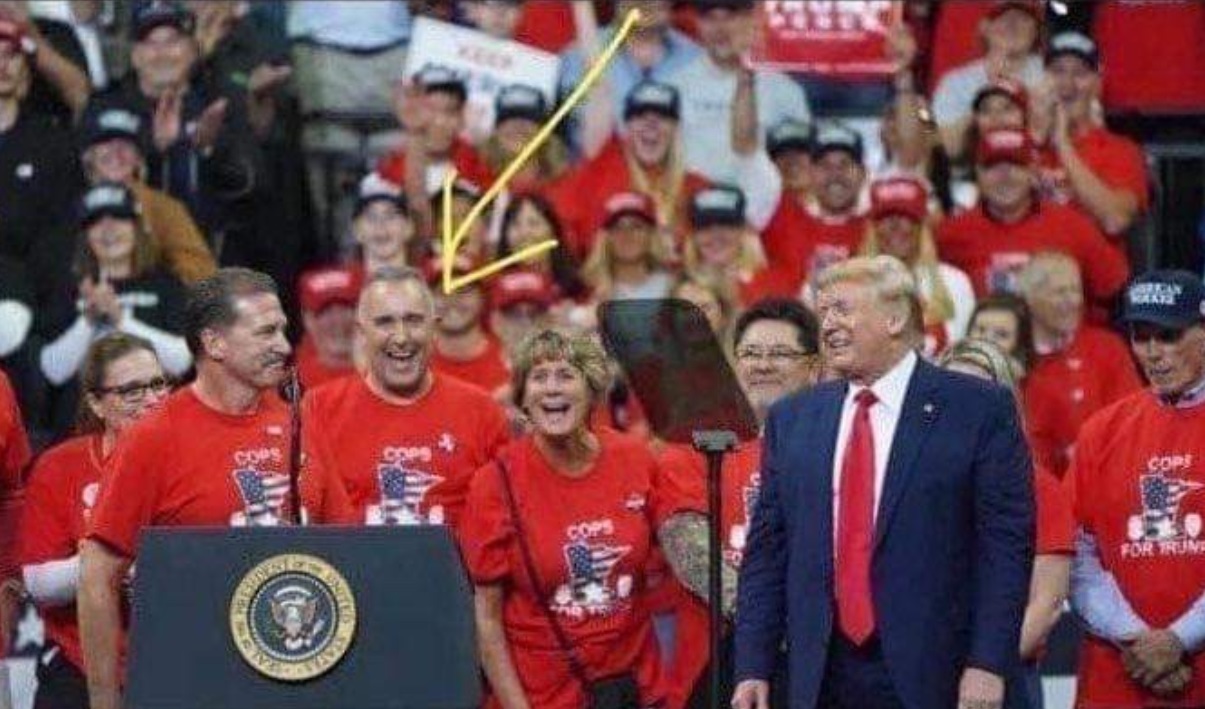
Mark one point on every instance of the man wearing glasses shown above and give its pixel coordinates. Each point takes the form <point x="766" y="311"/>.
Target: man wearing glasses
<point x="1138" y="580"/>
<point x="777" y="346"/>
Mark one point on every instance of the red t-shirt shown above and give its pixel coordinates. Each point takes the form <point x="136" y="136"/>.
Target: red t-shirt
<point x="63" y="487"/>
<point x="685" y="489"/>
<point x="1152" y="54"/>
<point x="14" y="455"/>
<point x="404" y="464"/>
<point x="1055" y="512"/>
<point x="802" y="244"/>
<point x="464" y="157"/>
<point x="1063" y="389"/>
<point x="311" y="371"/>
<point x="589" y="538"/>
<point x="579" y="192"/>
<point x="546" y="24"/>
<point x="1140" y="490"/>
<point x="1115" y="159"/>
<point x="188" y="465"/>
<point x="488" y="371"/>
<point x="992" y="252"/>
<point x="14" y="445"/>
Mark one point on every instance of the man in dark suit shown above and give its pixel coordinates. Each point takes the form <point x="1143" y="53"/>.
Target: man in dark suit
<point x="892" y="544"/>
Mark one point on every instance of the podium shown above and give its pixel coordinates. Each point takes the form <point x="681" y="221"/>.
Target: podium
<point x="302" y="618"/>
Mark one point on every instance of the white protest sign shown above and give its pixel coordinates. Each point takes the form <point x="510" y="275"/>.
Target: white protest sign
<point x="486" y="63"/>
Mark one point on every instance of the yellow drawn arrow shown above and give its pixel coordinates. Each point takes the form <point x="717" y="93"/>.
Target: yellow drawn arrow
<point x="451" y="241"/>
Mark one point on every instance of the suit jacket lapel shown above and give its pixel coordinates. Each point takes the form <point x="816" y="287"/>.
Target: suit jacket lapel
<point x="916" y="420"/>
<point x="828" y="421"/>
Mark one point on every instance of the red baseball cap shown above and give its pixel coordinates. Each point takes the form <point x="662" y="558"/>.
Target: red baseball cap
<point x="323" y="287"/>
<point x="621" y="203"/>
<point x="522" y="286"/>
<point x="1033" y="7"/>
<point x="1005" y="145"/>
<point x="900" y="194"/>
<point x="12" y="33"/>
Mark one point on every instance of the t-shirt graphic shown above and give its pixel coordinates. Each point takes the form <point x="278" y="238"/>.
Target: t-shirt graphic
<point x="590" y="588"/>
<point x="1160" y="519"/>
<point x="403" y="490"/>
<point x="263" y="494"/>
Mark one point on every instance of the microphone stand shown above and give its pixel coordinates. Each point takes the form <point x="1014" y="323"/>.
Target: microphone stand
<point x="293" y="394"/>
<point x="714" y="444"/>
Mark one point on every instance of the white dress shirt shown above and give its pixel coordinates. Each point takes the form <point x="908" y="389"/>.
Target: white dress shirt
<point x="884" y="417"/>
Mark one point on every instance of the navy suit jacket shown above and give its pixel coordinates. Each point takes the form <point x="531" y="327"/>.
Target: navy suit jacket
<point x="954" y="540"/>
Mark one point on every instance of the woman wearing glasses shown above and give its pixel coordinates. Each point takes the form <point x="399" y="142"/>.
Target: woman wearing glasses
<point x="121" y="380"/>
<point x="776" y="354"/>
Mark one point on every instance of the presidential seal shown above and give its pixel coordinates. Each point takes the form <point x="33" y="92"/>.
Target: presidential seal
<point x="293" y="617"/>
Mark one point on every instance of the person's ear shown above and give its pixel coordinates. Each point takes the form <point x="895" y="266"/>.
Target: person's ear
<point x="213" y="344"/>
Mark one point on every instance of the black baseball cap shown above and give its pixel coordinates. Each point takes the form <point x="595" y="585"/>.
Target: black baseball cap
<point x="107" y="124"/>
<point x="107" y="199"/>
<point x="652" y="97"/>
<point x="374" y="188"/>
<point x="1167" y="298"/>
<point x="834" y="136"/>
<point x="520" y="101"/>
<point x="439" y="78"/>
<point x="789" y="134"/>
<point x="160" y="14"/>
<point x="718" y="205"/>
<point x="1074" y="44"/>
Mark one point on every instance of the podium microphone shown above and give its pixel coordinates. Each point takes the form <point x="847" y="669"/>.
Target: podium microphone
<point x="292" y="394"/>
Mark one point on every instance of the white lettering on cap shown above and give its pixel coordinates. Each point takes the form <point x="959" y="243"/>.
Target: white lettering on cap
<point x="1006" y="139"/>
<point x="1155" y="294"/>
<point x="329" y="280"/>
<point x="718" y="199"/>
<point x="655" y="93"/>
<point x="99" y="197"/>
<point x="625" y="200"/>
<point x="119" y="120"/>
<point x="900" y="190"/>
<point x="1072" y="42"/>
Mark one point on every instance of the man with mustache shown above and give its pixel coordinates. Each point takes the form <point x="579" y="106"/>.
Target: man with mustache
<point x="215" y="454"/>
<point x="405" y="440"/>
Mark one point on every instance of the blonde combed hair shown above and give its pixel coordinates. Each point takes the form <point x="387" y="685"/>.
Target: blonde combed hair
<point x="888" y="278"/>
<point x="938" y="308"/>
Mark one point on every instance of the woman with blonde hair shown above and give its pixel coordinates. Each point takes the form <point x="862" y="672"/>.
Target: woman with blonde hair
<point x="629" y="258"/>
<point x="899" y="227"/>
<point x="646" y="157"/>
<point x="556" y="539"/>
<point x="1055" y="529"/>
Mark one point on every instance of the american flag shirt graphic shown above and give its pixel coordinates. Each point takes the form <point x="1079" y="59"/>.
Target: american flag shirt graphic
<point x="1161" y="498"/>
<point x="403" y="491"/>
<point x="590" y="569"/>
<point x="263" y="494"/>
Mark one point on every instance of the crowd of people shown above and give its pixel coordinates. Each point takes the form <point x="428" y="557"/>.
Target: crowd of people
<point x="169" y="252"/>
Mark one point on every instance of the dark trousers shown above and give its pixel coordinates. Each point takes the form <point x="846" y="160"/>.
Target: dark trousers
<point x="61" y="685"/>
<point x="856" y="677"/>
<point x="700" y="696"/>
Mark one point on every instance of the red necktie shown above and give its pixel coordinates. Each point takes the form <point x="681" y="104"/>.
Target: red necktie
<point x="855" y="526"/>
